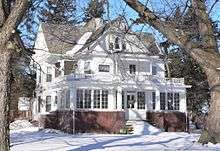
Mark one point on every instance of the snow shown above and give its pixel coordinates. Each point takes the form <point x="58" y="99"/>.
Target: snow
<point x="34" y="139"/>
<point x="19" y="124"/>
<point x="143" y="128"/>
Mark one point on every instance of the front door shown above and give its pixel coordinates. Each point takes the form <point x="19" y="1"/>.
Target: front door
<point x="132" y="110"/>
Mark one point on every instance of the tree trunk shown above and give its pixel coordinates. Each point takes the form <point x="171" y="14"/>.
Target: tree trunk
<point x="4" y="98"/>
<point x="212" y="127"/>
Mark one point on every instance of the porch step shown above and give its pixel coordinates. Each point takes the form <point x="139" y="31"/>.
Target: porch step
<point x="142" y="128"/>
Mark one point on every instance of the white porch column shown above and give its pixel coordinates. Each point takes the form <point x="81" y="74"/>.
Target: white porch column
<point x="119" y="98"/>
<point x="182" y="103"/>
<point x="111" y="100"/>
<point x="72" y="98"/>
<point x="157" y="107"/>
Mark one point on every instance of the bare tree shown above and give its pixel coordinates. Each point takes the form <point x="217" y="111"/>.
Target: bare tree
<point x="193" y="32"/>
<point x="11" y="14"/>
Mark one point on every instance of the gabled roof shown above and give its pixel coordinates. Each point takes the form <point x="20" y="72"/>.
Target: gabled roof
<point x="60" y="38"/>
<point x="63" y="38"/>
<point x="118" y="25"/>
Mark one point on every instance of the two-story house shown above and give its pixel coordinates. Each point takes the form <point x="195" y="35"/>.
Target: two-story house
<point x="102" y="73"/>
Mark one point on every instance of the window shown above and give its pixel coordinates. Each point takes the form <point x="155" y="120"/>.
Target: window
<point x="123" y="46"/>
<point x="56" y="100"/>
<point x="87" y="69"/>
<point x="154" y="70"/>
<point x="104" y="99"/>
<point x="96" y="99"/>
<point x="49" y="74"/>
<point x="123" y="100"/>
<point x="132" y="69"/>
<point x="141" y="100"/>
<point x="68" y="99"/>
<point x="39" y="104"/>
<point x="104" y="68"/>
<point x="79" y="98"/>
<point x="62" y="100"/>
<point x="162" y="101"/>
<point x="153" y="100"/>
<point x="57" y="69"/>
<point x="68" y="67"/>
<point x="170" y="101"/>
<point x="48" y="103"/>
<point x="110" y="45"/>
<point x="87" y="99"/>
<point x="176" y="101"/>
<point x="117" y="43"/>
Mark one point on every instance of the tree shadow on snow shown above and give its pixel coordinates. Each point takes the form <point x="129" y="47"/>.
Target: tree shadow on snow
<point x="104" y="144"/>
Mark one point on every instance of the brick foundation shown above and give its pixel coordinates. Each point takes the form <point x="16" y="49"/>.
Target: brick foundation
<point x="85" y="121"/>
<point x="169" y="121"/>
<point x="100" y="122"/>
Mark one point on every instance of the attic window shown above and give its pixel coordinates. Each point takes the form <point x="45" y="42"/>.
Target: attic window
<point x="117" y="43"/>
<point x="110" y="45"/>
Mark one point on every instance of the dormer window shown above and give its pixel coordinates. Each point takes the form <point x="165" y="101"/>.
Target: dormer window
<point x="111" y="45"/>
<point x="117" y="46"/>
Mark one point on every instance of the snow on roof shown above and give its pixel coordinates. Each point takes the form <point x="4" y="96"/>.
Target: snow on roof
<point x="80" y="43"/>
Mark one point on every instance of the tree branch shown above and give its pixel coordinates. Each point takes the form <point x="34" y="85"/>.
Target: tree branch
<point x="169" y="29"/>
<point x="13" y="20"/>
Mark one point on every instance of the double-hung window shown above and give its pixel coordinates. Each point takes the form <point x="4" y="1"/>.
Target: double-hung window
<point x="154" y="70"/>
<point x="176" y="101"/>
<point x="141" y="100"/>
<point x="79" y="98"/>
<point x="162" y="101"/>
<point x="87" y="98"/>
<point x="153" y="100"/>
<point x="49" y="74"/>
<point x="48" y="103"/>
<point x="104" y="99"/>
<point x="96" y="99"/>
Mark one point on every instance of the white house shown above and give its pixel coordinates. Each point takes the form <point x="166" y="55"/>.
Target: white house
<point x="103" y="67"/>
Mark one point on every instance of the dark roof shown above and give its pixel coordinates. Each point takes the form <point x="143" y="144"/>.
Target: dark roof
<point x="62" y="38"/>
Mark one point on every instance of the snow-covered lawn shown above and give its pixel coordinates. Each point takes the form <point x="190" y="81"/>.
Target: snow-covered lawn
<point x="146" y="137"/>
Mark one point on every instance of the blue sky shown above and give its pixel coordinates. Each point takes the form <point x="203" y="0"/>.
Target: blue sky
<point x="118" y="7"/>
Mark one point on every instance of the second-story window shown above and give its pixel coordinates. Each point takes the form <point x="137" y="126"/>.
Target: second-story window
<point x="57" y="69"/>
<point x="87" y="68"/>
<point x="49" y="74"/>
<point x="132" y="69"/>
<point x="104" y="68"/>
<point x="154" y="70"/>
<point x="117" y="46"/>
<point x="68" y="67"/>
